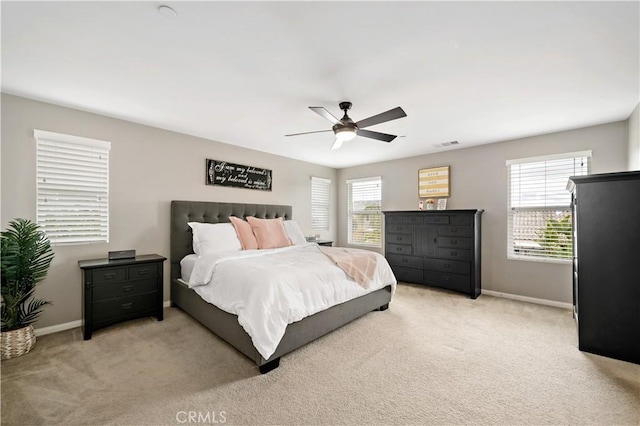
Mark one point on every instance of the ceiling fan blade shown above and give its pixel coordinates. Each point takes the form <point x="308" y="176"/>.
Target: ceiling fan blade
<point x="326" y="114"/>
<point x="306" y="133"/>
<point x="384" y="137"/>
<point x="392" y="114"/>
<point x="337" y="144"/>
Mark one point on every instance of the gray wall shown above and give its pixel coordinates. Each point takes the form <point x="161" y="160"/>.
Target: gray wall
<point x="479" y="180"/>
<point x="149" y="167"/>
<point x="634" y="139"/>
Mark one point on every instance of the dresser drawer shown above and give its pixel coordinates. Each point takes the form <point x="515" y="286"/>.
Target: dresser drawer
<point x="126" y="288"/>
<point x="392" y="219"/>
<point x="455" y="231"/>
<point x="410" y="275"/>
<point x="412" y="220"/>
<point x="460" y="219"/>
<point x="452" y="266"/>
<point x="109" y="275"/>
<point x="407" y="261"/>
<point x="450" y="281"/>
<point x="436" y="218"/>
<point x="124" y="307"/>
<point x="455" y="254"/>
<point x="399" y="229"/>
<point x="398" y="249"/>
<point x="145" y="271"/>
<point x="399" y="238"/>
<point x="454" y="242"/>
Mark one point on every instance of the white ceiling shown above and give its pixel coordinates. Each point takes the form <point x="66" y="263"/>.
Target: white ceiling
<point x="244" y="73"/>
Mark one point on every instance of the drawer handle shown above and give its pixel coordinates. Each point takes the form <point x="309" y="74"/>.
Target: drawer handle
<point x="143" y="271"/>
<point x="405" y="260"/>
<point x="126" y="306"/>
<point x="127" y="288"/>
<point x="446" y="266"/>
<point x="399" y="248"/>
<point x="446" y="277"/>
<point x="454" y="253"/>
<point x="455" y="230"/>
<point x="109" y="276"/>
<point x="454" y="241"/>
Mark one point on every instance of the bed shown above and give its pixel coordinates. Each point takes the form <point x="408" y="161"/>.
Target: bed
<point x="226" y="325"/>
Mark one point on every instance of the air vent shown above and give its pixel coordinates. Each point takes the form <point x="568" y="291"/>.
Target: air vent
<point x="439" y="145"/>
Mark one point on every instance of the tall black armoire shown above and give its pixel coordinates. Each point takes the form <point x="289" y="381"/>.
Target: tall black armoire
<point x="606" y="263"/>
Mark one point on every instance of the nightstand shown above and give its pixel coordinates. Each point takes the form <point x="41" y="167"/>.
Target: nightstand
<point x="326" y="243"/>
<point x="120" y="290"/>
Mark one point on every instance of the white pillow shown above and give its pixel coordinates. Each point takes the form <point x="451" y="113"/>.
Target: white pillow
<point x="294" y="232"/>
<point x="211" y="238"/>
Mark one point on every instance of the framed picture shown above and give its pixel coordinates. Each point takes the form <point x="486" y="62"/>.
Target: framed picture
<point x="224" y="173"/>
<point x="442" y="204"/>
<point x="433" y="182"/>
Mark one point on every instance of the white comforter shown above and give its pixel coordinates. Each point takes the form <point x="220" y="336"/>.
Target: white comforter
<point x="268" y="289"/>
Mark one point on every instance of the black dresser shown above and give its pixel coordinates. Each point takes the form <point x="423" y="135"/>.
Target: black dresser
<point x="119" y="290"/>
<point x="606" y="263"/>
<point x="438" y="248"/>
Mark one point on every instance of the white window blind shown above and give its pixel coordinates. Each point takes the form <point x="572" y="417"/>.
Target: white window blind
<point x="365" y="211"/>
<point x="72" y="175"/>
<point x="539" y="216"/>
<point x="320" y="191"/>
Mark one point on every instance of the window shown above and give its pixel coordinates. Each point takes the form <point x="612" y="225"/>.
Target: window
<point x="365" y="211"/>
<point x="539" y="216"/>
<point x="72" y="175"/>
<point x="320" y="188"/>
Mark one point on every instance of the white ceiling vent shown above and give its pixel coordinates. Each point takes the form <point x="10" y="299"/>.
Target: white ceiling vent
<point x="440" y="145"/>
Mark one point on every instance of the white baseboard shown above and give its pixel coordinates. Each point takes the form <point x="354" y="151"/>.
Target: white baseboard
<point x="546" y="302"/>
<point x="58" y="327"/>
<point x="72" y="324"/>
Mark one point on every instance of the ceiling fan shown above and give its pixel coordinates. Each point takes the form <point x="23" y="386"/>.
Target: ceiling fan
<point x="346" y="129"/>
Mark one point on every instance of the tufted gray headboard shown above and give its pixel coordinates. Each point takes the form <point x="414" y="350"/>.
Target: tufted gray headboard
<point x="183" y="212"/>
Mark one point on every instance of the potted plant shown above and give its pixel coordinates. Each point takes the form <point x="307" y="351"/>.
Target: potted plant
<point x="25" y="258"/>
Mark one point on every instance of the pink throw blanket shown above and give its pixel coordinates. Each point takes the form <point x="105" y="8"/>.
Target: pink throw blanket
<point x="359" y="265"/>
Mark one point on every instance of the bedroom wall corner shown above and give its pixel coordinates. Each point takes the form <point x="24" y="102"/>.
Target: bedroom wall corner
<point x="634" y="139"/>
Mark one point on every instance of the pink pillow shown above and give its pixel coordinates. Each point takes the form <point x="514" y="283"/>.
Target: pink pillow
<point x="270" y="233"/>
<point x="245" y="233"/>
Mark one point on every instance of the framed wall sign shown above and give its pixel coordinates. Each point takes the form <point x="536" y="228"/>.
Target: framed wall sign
<point x="237" y="175"/>
<point x="433" y="182"/>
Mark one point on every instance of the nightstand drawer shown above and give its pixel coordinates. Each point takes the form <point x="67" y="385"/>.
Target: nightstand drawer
<point x="111" y="275"/>
<point x="398" y="249"/>
<point x="407" y="261"/>
<point x="124" y="307"/>
<point x="127" y="288"/>
<point x="148" y="270"/>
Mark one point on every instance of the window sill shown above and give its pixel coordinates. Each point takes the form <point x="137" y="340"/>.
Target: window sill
<point x="540" y="259"/>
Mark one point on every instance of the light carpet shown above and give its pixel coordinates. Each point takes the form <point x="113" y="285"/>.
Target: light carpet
<point x="433" y="357"/>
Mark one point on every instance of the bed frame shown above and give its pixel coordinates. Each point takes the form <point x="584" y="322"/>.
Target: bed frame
<point x="226" y="325"/>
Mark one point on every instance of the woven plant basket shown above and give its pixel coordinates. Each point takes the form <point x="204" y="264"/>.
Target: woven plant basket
<point x="18" y="342"/>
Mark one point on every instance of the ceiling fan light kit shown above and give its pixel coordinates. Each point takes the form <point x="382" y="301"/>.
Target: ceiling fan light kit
<point x="346" y="129"/>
